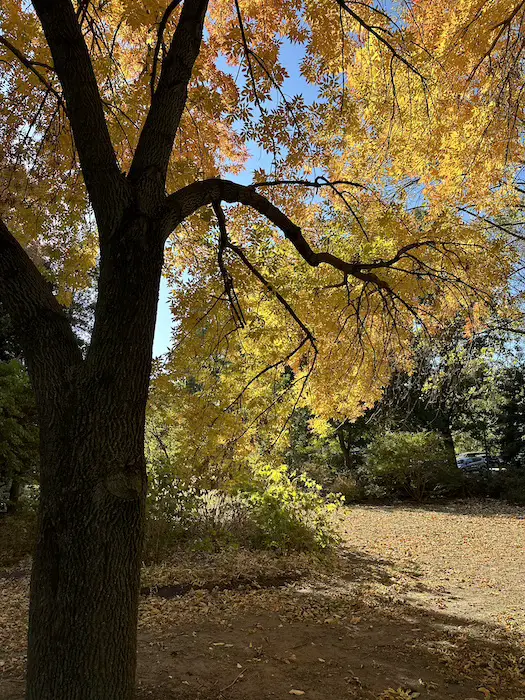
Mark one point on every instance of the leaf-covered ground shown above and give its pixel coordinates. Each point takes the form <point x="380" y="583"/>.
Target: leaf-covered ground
<point x="420" y="602"/>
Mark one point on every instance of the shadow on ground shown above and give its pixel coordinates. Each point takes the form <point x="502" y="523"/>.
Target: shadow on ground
<point x="330" y="637"/>
<point x="345" y="628"/>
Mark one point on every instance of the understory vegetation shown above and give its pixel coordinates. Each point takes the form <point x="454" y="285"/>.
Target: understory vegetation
<point x="462" y="394"/>
<point x="273" y="509"/>
<point x="466" y="394"/>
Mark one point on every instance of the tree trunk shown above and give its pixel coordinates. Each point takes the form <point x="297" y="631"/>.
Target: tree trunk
<point x="448" y="439"/>
<point x="85" y="579"/>
<point x="345" y="449"/>
<point x="14" y="495"/>
<point x="350" y="460"/>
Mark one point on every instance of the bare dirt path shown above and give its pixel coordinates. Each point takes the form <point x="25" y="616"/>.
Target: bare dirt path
<point x="467" y="557"/>
<point x="426" y="602"/>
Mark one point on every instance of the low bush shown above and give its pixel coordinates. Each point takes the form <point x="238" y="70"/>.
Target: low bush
<point x="483" y="484"/>
<point x="287" y="510"/>
<point x="18" y="533"/>
<point x="272" y="509"/>
<point x="349" y="489"/>
<point x="413" y="465"/>
<point x="513" y="486"/>
<point x="508" y="484"/>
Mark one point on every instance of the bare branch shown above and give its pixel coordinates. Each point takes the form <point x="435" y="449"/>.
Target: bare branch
<point x="256" y="273"/>
<point x="303" y="378"/>
<point x="316" y="184"/>
<point x="499" y="29"/>
<point x="227" y="278"/>
<point x="224" y="243"/>
<point x="493" y="224"/>
<point x="264" y="371"/>
<point x="382" y="39"/>
<point x="247" y="54"/>
<point x="32" y="66"/>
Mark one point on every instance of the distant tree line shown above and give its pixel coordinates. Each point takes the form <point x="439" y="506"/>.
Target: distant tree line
<point x="469" y="392"/>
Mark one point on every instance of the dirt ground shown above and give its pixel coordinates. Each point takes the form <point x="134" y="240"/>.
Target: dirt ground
<point x="420" y="602"/>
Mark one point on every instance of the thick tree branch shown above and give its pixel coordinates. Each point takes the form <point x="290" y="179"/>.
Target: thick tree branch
<point x="44" y="333"/>
<point x="160" y="36"/>
<point x="189" y="199"/>
<point x="74" y="69"/>
<point x="167" y="106"/>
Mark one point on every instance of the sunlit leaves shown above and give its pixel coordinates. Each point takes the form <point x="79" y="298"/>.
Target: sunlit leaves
<point x="415" y="117"/>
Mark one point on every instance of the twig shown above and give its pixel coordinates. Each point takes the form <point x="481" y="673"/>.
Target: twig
<point x="239" y="675"/>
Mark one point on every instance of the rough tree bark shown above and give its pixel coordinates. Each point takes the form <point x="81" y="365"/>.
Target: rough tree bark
<point x="85" y="579"/>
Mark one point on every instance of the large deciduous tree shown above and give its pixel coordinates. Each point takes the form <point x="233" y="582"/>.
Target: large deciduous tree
<point x="119" y="121"/>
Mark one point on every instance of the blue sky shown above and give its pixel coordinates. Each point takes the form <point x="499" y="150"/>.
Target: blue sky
<point x="164" y="321"/>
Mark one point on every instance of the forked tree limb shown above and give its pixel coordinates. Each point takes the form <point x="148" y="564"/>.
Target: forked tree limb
<point x="160" y="36"/>
<point x="226" y="243"/>
<point x="229" y="286"/>
<point x="157" y="137"/>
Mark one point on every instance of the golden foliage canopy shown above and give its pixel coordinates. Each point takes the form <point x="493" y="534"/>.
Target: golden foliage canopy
<point x="398" y="155"/>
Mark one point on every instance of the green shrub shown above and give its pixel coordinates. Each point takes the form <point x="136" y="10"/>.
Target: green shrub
<point x="507" y="485"/>
<point x="18" y="533"/>
<point x="271" y="509"/>
<point x="483" y="484"/>
<point x="513" y="486"/>
<point x="171" y="510"/>
<point x="18" y="425"/>
<point x="287" y="511"/>
<point x="322" y="474"/>
<point x="416" y="465"/>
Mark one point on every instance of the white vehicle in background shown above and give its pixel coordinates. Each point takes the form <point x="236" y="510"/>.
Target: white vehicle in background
<point x="476" y="462"/>
<point x="469" y="459"/>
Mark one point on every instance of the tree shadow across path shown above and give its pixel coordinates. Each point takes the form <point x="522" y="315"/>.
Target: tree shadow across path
<point x="328" y="635"/>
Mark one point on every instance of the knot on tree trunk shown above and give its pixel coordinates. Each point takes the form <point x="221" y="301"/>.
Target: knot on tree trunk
<point x="126" y="485"/>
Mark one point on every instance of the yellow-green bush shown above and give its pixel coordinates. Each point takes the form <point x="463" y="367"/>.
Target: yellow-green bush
<point x="269" y="508"/>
